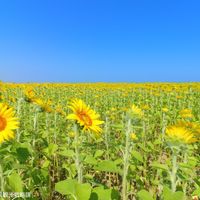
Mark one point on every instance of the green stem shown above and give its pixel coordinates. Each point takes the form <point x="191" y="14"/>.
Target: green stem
<point x="1" y="179"/>
<point x="126" y="161"/>
<point x="185" y="161"/>
<point x="107" y="148"/>
<point x="77" y="154"/>
<point x="18" y="115"/>
<point x="47" y="126"/>
<point x="174" y="171"/>
<point x="107" y="138"/>
<point x="144" y="133"/>
<point x="35" y="128"/>
<point x="55" y="127"/>
<point x="164" y="125"/>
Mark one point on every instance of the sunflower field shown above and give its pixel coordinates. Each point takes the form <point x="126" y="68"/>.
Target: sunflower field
<point x="100" y="141"/>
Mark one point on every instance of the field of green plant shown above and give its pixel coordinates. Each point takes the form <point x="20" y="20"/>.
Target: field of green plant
<point x="100" y="141"/>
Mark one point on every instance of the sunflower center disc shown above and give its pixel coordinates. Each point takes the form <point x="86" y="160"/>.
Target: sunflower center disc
<point x="3" y="123"/>
<point x="86" y="119"/>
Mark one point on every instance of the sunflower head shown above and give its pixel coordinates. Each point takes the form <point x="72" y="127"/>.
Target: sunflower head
<point x="186" y="113"/>
<point x="44" y="106"/>
<point x="164" y="109"/>
<point x="29" y="95"/>
<point x="137" y="111"/>
<point x="180" y="135"/>
<point x="194" y="127"/>
<point x="87" y="118"/>
<point x="145" y="107"/>
<point x="59" y="110"/>
<point x="71" y="134"/>
<point x="133" y="136"/>
<point x="8" y="123"/>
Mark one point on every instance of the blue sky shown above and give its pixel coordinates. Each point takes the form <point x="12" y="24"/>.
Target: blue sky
<point x="99" y="40"/>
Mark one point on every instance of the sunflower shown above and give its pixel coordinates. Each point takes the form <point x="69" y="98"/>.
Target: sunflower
<point x="8" y="123"/>
<point x="145" y="107"/>
<point x="186" y="113"/>
<point x="45" y="106"/>
<point x="29" y="95"/>
<point x="180" y="134"/>
<point x="133" y="136"/>
<point x="194" y="127"/>
<point x="164" y="109"/>
<point x="85" y="116"/>
<point x="137" y="111"/>
<point x="59" y="110"/>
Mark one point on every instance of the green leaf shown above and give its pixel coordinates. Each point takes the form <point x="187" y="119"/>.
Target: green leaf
<point x="66" y="153"/>
<point x="118" y="161"/>
<point x="100" y="193"/>
<point x="169" y="195"/>
<point x="75" y="189"/>
<point x="90" y="160"/>
<point x="66" y="187"/>
<point x="51" y="149"/>
<point x="46" y="164"/>
<point x="159" y="166"/>
<point x="144" y="148"/>
<point x="157" y="141"/>
<point x="117" y="126"/>
<point x="22" y="154"/>
<point x="98" y="153"/>
<point x="179" y="196"/>
<point x="144" y="195"/>
<point x="185" y="165"/>
<point x="137" y="155"/>
<point x="24" y="151"/>
<point x="107" y="166"/>
<point x="26" y="146"/>
<point x="15" y="183"/>
<point x="197" y="192"/>
<point x="150" y="145"/>
<point x="83" y="191"/>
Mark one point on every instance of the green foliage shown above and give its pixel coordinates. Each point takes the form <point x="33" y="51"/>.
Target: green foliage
<point x="169" y="195"/>
<point x="100" y="193"/>
<point x="74" y="189"/>
<point x="137" y="155"/>
<point x="144" y="195"/>
<point x="107" y="166"/>
<point x="157" y="165"/>
<point x="15" y="184"/>
<point x="43" y="151"/>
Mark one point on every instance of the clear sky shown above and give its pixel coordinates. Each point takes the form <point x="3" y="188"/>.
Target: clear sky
<point x="99" y="40"/>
